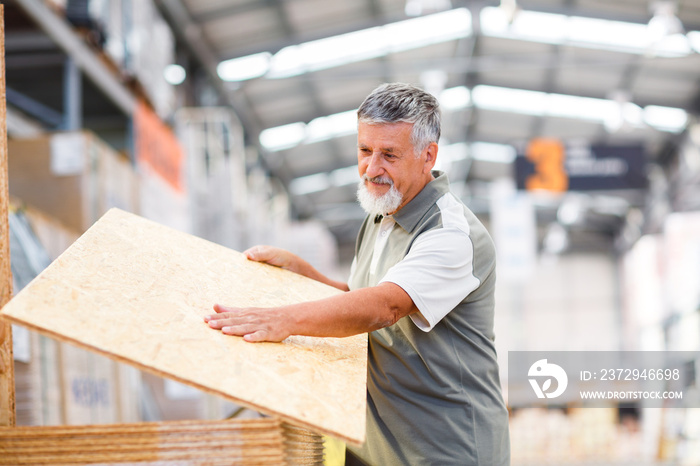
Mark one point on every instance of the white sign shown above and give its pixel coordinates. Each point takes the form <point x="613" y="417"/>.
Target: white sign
<point x="67" y="154"/>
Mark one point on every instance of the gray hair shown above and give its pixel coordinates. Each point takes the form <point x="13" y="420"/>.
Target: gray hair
<point x="404" y="103"/>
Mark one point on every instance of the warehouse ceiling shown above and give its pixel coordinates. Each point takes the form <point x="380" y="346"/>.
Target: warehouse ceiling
<point x="505" y="71"/>
<point x="476" y="50"/>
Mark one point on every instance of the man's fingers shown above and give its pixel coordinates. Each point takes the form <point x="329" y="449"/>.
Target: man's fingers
<point x="248" y="332"/>
<point x="251" y="323"/>
<point x="239" y="330"/>
<point x="259" y="335"/>
<point x="216" y="321"/>
<point x="219" y="308"/>
<point x="226" y="318"/>
<point x="269" y="255"/>
<point x="231" y="325"/>
<point x="221" y="312"/>
<point x="260" y="253"/>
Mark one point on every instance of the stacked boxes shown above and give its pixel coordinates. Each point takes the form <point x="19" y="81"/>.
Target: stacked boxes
<point x="74" y="177"/>
<point x="161" y="166"/>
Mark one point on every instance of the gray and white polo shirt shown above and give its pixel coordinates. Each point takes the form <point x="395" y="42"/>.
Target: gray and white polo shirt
<point x="434" y="394"/>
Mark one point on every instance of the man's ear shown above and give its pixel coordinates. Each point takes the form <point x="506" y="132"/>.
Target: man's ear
<point x="430" y="157"/>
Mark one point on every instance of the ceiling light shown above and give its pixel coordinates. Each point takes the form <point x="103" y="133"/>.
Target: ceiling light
<point x="321" y="181"/>
<point x="605" y="34"/>
<point x="318" y="129"/>
<point x="538" y="26"/>
<point x="455" y="98"/>
<point x="668" y="119"/>
<point x="327" y="53"/>
<point x="421" y="7"/>
<point x="577" y="31"/>
<point x="244" y="68"/>
<point x="428" y="30"/>
<point x="370" y="43"/>
<point x="583" y="108"/>
<point x="568" y="106"/>
<point x="694" y="40"/>
<point x="331" y="126"/>
<point x="309" y="184"/>
<point x="491" y="152"/>
<point x="174" y="74"/>
<point x="433" y="81"/>
<point x="509" y="100"/>
<point x="283" y="137"/>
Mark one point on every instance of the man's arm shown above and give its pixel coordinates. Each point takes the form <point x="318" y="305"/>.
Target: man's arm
<point x="342" y="315"/>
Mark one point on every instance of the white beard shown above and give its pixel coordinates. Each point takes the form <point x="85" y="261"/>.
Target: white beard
<point x="384" y="204"/>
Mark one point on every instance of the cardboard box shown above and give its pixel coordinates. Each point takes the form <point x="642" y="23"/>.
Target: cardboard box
<point x="89" y="387"/>
<point x="72" y="176"/>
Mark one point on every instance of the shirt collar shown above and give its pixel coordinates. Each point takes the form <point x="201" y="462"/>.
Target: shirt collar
<point x="410" y="214"/>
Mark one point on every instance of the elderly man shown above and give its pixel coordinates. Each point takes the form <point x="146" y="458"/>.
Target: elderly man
<point x="422" y="284"/>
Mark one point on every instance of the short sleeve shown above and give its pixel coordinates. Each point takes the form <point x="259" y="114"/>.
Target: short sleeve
<point x="437" y="273"/>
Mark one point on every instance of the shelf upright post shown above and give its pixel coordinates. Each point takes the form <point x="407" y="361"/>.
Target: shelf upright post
<point x="72" y="96"/>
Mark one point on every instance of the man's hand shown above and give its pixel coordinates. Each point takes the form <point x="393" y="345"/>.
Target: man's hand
<point x="274" y="256"/>
<point x="253" y="324"/>
<point x="290" y="261"/>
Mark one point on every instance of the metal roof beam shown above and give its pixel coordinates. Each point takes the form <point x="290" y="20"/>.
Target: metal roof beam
<point x="21" y="41"/>
<point x="233" y="10"/>
<point x="190" y="33"/>
<point x="34" y="108"/>
<point x="308" y="81"/>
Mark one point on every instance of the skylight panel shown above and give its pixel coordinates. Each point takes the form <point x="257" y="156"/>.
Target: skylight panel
<point x="370" y="43"/>
<point x="557" y="29"/>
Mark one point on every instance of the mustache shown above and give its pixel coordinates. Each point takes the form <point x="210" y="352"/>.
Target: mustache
<point x="378" y="180"/>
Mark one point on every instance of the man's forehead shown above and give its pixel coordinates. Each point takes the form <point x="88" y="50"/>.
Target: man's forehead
<point x="383" y="131"/>
<point x="383" y="145"/>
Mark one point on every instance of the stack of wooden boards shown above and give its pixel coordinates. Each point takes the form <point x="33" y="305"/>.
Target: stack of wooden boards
<point x="137" y="291"/>
<point x="247" y="442"/>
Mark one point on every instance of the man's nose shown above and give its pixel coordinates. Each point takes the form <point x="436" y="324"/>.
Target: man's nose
<point x="374" y="166"/>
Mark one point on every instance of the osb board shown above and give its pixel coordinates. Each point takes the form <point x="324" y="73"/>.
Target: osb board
<point x="7" y="378"/>
<point x="137" y="291"/>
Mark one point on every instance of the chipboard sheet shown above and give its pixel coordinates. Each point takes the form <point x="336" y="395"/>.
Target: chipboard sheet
<point x="137" y="291"/>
